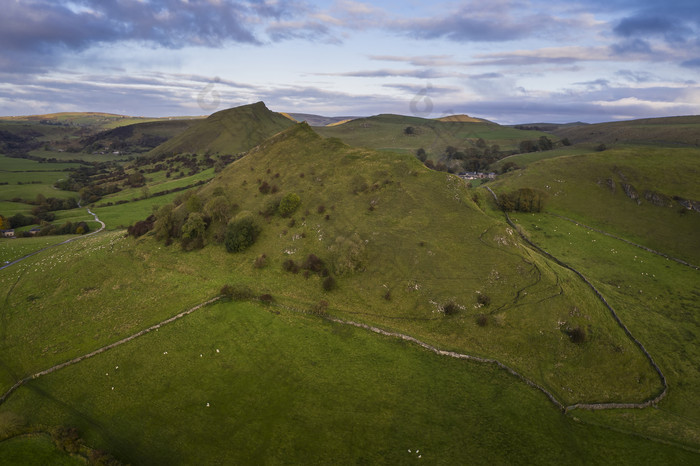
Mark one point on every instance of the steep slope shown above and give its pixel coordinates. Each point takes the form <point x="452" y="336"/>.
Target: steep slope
<point x="137" y="137"/>
<point x="228" y="131"/>
<point x="409" y="249"/>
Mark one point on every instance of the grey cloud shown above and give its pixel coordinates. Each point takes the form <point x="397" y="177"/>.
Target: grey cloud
<point x="636" y="76"/>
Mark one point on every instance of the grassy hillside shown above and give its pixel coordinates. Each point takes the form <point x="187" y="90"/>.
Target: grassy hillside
<point x="376" y="238"/>
<point x="633" y="192"/>
<point x="228" y="131"/>
<point x="138" y="137"/>
<point x="388" y="132"/>
<point x="672" y="131"/>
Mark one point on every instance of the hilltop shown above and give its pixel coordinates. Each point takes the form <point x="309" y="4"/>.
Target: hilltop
<point x="228" y="131"/>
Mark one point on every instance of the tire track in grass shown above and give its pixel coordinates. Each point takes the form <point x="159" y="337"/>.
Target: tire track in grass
<point x="599" y="406"/>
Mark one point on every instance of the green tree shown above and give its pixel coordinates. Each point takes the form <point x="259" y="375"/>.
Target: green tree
<point x="544" y="143"/>
<point x="164" y="222"/>
<point x="289" y="204"/>
<point x="218" y="208"/>
<point x="241" y="233"/>
<point x="194" y="203"/>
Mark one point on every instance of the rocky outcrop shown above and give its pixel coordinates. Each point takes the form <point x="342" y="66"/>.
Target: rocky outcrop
<point x="657" y="199"/>
<point x="631" y="192"/>
<point x="688" y="203"/>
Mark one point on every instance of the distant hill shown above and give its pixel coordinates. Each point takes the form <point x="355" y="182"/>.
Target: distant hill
<point x="318" y="120"/>
<point x="408" y="134"/>
<point x="683" y="130"/>
<point x="138" y="137"/>
<point x="228" y="131"/>
<point x="463" y="119"/>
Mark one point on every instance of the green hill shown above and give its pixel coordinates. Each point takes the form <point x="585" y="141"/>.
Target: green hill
<point x="673" y="131"/>
<point x="329" y="240"/>
<point x="391" y="132"/>
<point x="138" y="137"/>
<point x="228" y="131"/>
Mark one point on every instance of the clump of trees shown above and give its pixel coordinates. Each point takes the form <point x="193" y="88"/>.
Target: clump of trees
<point x="523" y="200"/>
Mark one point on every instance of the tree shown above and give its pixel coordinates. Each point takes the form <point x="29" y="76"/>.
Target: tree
<point x="527" y="146"/>
<point x="194" y="226"/>
<point x="566" y="142"/>
<point x="136" y="180"/>
<point x="194" y="203"/>
<point x="164" y="222"/>
<point x="544" y="143"/>
<point x="241" y="233"/>
<point x="289" y="204"/>
<point x="422" y="156"/>
<point x="409" y="130"/>
<point x="5" y="223"/>
<point x="218" y="208"/>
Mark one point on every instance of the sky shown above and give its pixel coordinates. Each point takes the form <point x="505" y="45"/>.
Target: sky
<point x="509" y="61"/>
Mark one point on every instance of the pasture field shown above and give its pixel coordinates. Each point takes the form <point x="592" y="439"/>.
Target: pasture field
<point x="591" y="188"/>
<point x="241" y="383"/>
<point x="657" y="299"/>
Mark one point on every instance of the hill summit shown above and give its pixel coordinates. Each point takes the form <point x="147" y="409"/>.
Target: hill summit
<point x="229" y="131"/>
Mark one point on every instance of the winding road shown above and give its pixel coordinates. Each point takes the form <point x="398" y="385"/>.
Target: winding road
<point x="102" y="227"/>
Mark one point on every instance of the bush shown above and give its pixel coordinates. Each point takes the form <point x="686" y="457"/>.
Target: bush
<point x="577" y="334"/>
<point x="313" y="264"/>
<point x="320" y="309"/>
<point x="237" y="292"/>
<point x="329" y="283"/>
<point x="482" y="320"/>
<point x="483" y="299"/>
<point x="290" y="266"/>
<point x="289" y="204"/>
<point x="266" y="298"/>
<point x="260" y="261"/>
<point x="451" y="308"/>
<point x="241" y="233"/>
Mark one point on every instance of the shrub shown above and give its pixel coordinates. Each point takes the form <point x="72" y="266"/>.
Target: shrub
<point x="237" y="292"/>
<point x="264" y="187"/>
<point x="290" y="266"/>
<point x="260" y="261"/>
<point x="321" y="308"/>
<point x="482" y="320"/>
<point x="483" y="299"/>
<point x="451" y="308"/>
<point x="266" y="298"/>
<point x="289" y="204"/>
<point x="241" y="233"/>
<point x="271" y="206"/>
<point x="387" y="295"/>
<point x="577" y="334"/>
<point x="329" y="283"/>
<point x="313" y="263"/>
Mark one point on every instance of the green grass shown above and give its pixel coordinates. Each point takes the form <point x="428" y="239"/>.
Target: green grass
<point x="523" y="160"/>
<point x="657" y="299"/>
<point x="12" y="249"/>
<point x="386" y="132"/>
<point x="294" y="389"/>
<point x="577" y="188"/>
<point x="36" y="178"/>
<point x="288" y="387"/>
<point x="35" y="450"/>
<point x="227" y="132"/>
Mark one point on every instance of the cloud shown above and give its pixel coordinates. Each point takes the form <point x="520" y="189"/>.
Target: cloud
<point x="425" y="73"/>
<point x="35" y="34"/>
